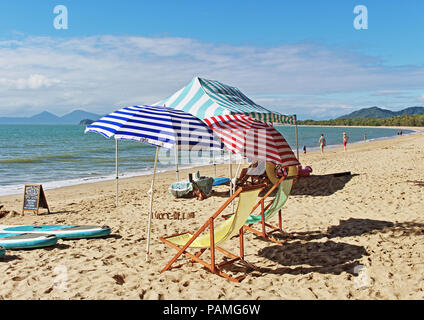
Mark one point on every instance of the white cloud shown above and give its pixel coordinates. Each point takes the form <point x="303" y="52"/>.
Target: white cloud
<point x="386" y="93"/>
<point x="99" y="73"/>
<point x="34" y="81"/>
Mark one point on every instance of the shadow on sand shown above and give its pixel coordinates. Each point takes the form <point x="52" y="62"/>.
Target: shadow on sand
<point x="416" y="182"/>
<point x="298" y="257"/>
<point x="9" y="257"/>
<point x="324" y="257"/>
<point x="329" y="257"/>
<point x="357" y="227"/>
<point x="321" y="185"/>
<point x="314" y="185"/>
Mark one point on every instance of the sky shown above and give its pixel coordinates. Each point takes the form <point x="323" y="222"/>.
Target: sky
<point x="297" y="57"/>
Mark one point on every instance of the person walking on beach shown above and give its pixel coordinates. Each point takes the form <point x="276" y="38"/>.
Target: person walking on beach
<point x="322" y="143"/>
<point x="304" y="149"/>
<point x="345" y="139"/>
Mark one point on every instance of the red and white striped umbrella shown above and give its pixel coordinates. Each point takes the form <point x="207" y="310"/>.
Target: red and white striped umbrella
<point x="252" y="138"/>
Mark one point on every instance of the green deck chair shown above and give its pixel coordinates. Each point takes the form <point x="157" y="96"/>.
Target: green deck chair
<point x="284" y="185"/>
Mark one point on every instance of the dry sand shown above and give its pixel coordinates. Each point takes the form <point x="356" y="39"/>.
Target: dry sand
<point x="372" y="218"/>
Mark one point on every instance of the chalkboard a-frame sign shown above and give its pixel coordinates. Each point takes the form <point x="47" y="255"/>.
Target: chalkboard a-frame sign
<point x="34" y="198"/>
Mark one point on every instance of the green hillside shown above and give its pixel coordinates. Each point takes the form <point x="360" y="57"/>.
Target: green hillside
<point x="415" y="120"/>
<point x="375" y="112"/>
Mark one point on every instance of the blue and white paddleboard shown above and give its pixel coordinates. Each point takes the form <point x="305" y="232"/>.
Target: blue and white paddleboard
<point x="26" y="240"/>
<point x="220" y="181"/>
<point x="2" y="251"/>
<point x="60" y="231"/>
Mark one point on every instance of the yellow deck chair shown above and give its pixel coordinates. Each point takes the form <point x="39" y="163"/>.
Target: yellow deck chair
<point x="229" y="228"/>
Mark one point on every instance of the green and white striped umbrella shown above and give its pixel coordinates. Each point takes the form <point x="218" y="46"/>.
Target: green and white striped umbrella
<point x="207" y="98"/>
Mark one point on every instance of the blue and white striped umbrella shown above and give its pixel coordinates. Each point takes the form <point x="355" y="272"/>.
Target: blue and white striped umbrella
<point x="207" y="98"/>
<point x="158" y="126"/>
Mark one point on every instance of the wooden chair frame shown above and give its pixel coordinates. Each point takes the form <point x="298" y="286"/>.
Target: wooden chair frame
<point x="264" y="233"/>
<point x="212" y="266"/>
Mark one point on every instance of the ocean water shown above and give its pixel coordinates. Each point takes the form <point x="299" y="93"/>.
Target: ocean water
<point x="63" y="155"/>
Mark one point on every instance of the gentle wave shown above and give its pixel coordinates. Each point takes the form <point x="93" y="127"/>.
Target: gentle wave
<point x="43" y="159"/>
<point x="21" y="160"/>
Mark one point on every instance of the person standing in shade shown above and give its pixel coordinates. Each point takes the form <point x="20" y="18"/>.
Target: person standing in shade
<point x="322" y="143"/>
<point x="345" y="139"/>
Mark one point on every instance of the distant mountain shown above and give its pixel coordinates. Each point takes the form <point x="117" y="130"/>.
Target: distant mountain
<point x="411" y="110"/>
<point x="45" y="117"/>
<point x="49" y="118"/>
<point x="376" y="112"/>
<point x="76" y="116"/>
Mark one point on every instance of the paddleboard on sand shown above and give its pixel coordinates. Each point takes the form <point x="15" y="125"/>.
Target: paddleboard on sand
<point x="26" y="240"/>
<point x="2" y="251"/>
<point x="219" y="181"/>
<point x="60" y="231"/>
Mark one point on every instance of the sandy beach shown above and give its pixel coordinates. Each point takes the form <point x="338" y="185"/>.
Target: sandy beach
<point x="372" y="219"/>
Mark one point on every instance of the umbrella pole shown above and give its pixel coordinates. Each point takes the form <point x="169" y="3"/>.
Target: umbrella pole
<point x="297" y="144"/>
<point x="237" y="172"/>
<point x="176" y="163"/>
<point x="235" y="182"/>
<point x="117" y="170"/>
<point x="151" y="205"/>
<point x="230" y="172"/>
<point x="214" y="164"/>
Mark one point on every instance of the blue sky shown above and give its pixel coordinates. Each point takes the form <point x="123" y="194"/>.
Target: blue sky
<point x="301" y="57"/>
